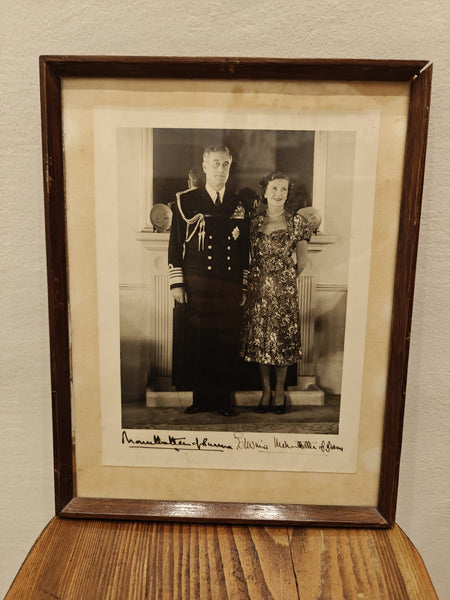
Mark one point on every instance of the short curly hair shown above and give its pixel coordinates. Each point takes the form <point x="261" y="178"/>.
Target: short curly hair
<point x="271" y="177"/>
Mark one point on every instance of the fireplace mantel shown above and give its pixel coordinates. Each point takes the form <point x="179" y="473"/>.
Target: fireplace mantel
<point x="152" y="240"/>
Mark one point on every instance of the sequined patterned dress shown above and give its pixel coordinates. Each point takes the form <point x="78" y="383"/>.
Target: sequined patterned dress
<point x="271" y="325"/>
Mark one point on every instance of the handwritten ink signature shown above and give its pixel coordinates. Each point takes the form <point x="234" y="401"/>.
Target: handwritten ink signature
<point x="323" y="446"/>
<point x="242" y="443"/>
<point x="175" y="443"/>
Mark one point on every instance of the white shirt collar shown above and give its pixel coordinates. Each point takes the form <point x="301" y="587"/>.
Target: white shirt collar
<point x="213" y="193"/>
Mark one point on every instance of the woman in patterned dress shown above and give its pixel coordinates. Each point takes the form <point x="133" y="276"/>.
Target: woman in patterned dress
<point x="271" y="324"/>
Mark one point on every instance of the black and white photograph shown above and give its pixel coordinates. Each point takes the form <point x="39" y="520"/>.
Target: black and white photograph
<point x="254" y="341"/>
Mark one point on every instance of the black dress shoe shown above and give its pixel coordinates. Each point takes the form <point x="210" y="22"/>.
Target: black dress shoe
<point x="192" y="409"/>
<point x="226" y="412"/>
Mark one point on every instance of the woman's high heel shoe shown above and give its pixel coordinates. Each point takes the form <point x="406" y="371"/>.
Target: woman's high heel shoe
<point x="261" y="407"/>
<point x="279" y="409"/>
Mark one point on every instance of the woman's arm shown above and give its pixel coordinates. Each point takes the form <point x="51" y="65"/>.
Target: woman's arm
<point x="301" y="250"/>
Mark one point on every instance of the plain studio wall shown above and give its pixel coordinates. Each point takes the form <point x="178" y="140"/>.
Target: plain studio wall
<point x="328" y="28"/>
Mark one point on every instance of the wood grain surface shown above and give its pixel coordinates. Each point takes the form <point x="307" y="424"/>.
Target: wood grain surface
<point x="99" y="560"/>
<point x="231" y="513"/>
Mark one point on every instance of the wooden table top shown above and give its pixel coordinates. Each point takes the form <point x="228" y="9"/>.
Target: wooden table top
<point x="77" y="559"/>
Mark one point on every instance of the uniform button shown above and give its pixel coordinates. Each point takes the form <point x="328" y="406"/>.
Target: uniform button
<point x="209" y="267"/>
<point x="229" y="268"/>
<point x="210" y="237"/>
<point x="228" y="247"/>
<point x="228" y="238"/>
<point x="228" y="258"/>
<point x="209" y="257"/>
<point x="209" y="247"/>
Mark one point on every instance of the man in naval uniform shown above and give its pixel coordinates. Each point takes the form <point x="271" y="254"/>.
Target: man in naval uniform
<point x="208" y="262"/>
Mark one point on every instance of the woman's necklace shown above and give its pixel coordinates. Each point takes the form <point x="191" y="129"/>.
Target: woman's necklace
<point x="273" y="222"/>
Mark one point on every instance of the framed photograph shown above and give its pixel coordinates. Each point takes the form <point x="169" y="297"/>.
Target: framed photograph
<point x="231" y="247"/>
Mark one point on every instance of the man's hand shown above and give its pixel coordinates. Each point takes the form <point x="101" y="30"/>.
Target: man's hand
<point x="179" y="295"/>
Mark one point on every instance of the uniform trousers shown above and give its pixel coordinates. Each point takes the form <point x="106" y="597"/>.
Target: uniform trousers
<point x="206" y="340"/>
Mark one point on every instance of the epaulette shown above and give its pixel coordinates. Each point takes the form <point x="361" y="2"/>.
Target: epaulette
<point x="184" y="191"/>
<point x="178" y="196"/>
<point x="198" y="221"/>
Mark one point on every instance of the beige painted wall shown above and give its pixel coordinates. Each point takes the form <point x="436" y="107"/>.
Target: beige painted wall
<point x="415" y="29"/>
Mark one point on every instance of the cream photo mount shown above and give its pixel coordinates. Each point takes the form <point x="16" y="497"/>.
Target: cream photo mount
<point x="85" y="99"/>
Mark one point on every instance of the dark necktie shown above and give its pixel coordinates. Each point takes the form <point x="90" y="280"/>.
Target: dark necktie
<point x="217" y="201"/>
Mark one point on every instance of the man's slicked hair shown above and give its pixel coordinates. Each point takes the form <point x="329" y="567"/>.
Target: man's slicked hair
<point x="216" y="148"/>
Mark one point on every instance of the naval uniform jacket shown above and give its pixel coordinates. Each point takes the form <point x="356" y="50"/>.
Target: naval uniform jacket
<point x="208" y="256"/>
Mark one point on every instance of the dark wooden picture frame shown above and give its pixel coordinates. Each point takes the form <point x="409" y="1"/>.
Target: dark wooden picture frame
<point x="53" y="69"/>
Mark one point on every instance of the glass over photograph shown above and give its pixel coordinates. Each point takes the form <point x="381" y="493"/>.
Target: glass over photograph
<point x="231" y="255"/>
